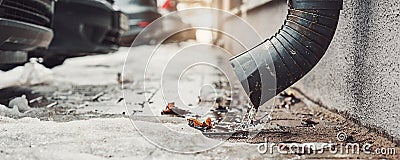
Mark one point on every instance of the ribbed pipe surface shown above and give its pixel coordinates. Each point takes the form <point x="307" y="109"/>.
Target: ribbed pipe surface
<point x="292" y="52"/>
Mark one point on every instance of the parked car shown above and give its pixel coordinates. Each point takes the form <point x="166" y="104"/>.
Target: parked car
<point x="83" y="27"/>
<point x="140" y="14"/>
<point x="24" y="26"/>
<point x="169" y="25"/>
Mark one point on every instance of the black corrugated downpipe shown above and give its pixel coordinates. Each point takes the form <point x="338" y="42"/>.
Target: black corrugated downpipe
<point x="293" y="51"/>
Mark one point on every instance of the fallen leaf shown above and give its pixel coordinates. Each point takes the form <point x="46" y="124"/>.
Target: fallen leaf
<point x="196" y="123"/>
<point x="208" y="122"/>
<point x="171" y="109"/>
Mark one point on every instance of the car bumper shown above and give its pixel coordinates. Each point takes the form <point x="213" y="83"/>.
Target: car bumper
<point x="21" y="36"/>
<point x="86" y="28"/>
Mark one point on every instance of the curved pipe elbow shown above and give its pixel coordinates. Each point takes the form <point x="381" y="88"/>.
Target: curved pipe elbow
<point x="292" y="52"/>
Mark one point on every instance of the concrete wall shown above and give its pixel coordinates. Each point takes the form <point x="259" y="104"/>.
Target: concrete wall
<point x="360" y="72"/>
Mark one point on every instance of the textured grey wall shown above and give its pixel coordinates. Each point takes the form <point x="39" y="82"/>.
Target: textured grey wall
<point x="360" y="72"/>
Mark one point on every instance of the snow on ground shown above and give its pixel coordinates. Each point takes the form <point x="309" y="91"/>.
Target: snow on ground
<point x="31" y="73"/>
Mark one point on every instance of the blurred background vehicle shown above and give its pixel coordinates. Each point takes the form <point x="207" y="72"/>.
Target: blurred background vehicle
<point x="83" y="27"/>
<point x="170" y="23"/>
<point x="24" y="26"/>
<point x="140" y="14"/>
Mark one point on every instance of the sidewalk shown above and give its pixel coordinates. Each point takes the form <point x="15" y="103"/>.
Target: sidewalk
<point x="90" y="121"/>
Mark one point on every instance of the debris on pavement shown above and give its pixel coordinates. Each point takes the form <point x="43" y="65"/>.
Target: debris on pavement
<point x="51" y="104"/>
<point x="134" y="112"/>
<point x="38" y="99"/>
<point x="198" y="124"/>
<point x="221" y="84"/>
<point x="287" y="100"/>
<point x="222" y="104"/>
<point x="119" y="100"/>
<point x="122" y="79"/>
<point x="171" y="109"/>
<point x="309" y="122"/>
<point x="97" y="96"/>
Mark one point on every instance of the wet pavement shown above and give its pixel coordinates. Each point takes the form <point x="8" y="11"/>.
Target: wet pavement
<point x="79" y="112"/>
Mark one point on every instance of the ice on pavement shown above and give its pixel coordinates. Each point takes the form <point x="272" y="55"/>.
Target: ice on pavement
<point x="9" y="112"/>
<point x="16" y="107"/>
<point x="19" y="102"/>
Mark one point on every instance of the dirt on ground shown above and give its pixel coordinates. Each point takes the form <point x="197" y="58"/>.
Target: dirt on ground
<point x="294" y="120"/>
<point x="291" y="120"/>
<point x="306" y="122"/>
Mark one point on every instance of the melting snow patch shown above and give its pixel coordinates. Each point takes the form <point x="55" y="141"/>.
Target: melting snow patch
<point x="35" y="73"/>
<point x="21" y="103"/>
<point x="9" y="112"/>
<point x="16" y="107"/>
<point x="32" y="73"/>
